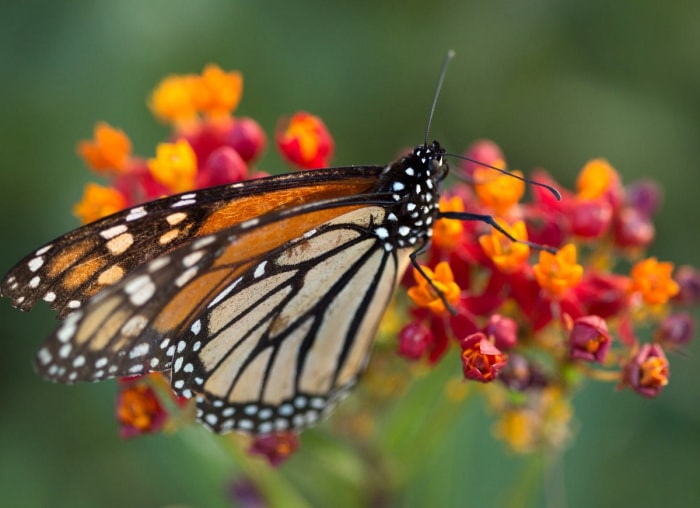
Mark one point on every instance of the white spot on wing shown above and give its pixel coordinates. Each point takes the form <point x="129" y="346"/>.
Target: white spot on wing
<point x="110" y="233"/>
<point x="35" y="264"/>
<point x="136" y="213"/>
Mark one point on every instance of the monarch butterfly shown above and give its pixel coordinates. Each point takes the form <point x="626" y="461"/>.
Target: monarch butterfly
<point x="260" y="298"/>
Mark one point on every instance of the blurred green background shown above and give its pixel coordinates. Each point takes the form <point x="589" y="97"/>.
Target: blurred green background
<point x="555" y="83"/>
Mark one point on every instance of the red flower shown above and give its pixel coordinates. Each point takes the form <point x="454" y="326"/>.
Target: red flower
<point x="589" y="339"/>
<point x="481" y="360"/>
<point x="647" y="371"/>
<point x="138" y="409"/>
<point x="276" y="448"/>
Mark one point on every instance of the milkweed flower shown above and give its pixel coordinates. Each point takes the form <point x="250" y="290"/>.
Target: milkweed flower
<point x="304" y="141"/>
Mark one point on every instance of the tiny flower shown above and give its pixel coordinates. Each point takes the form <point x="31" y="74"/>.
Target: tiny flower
<point x="98" y="202"/>
<point x="498" y="191"/>
<point x="276" y="447"/>
<point x="503" y="331"/>
<point x="109" y="150"/>
<point x="557" y="273"/>
<point x="589" y="339"/>
<point x="173" y="99"/>
<point x="676" y="330"/>
<point x="424" y="293"/>
<point x="223" y="166"/>
<point x="138" y="410"/>
<point x="247" y="138"/>
<point x="481" y="360"/>
<point x="507" y="255"/>
<point x="632" y="229"/>
<point x="647" y="371"/>
<point x="447" y="233"/>
<point x="645" y="196"/>
<point x="598" y="179"/>
<point x="305" y="141"/>
<point x="414" y="340"/>
<point x="519" y="374"/>
<point x="485" y="151"/>
<point x="653" y="281"/>
<point x="688" y="279"/>
<point x="217" y="93"/>
<point x="175" y="166"/>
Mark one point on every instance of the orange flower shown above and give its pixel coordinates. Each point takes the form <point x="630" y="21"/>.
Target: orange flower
<point x="423" y="293"/>
<point x="498" y="191"/>
<point x="110" y="149"/>
<point x="507" y="255"/>
<point x="481" y="360"/>
<point x="217" y="93"/>
<point x="98" y="202"/>
<point x="448" y="232"/>
<point x="653" y="281"/>
<point x="305" y="141"/>
<point x="557" y="273"/>
<point x="173" y="99"/>
<point x="174" y="166"/>
<point x="595" y="180"/>
<point x="138" y="410"/>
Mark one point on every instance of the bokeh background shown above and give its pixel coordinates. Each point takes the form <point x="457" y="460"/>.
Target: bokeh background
<point x="555" y="83"/>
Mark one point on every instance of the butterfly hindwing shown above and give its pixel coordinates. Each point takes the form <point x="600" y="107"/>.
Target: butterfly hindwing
<point x="276" y="348"/>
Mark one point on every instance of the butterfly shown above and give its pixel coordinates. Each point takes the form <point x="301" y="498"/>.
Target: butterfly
<point x="259" y="298"/>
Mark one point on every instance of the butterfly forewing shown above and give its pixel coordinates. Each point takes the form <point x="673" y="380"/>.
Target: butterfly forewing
<point x="72" y="268"/>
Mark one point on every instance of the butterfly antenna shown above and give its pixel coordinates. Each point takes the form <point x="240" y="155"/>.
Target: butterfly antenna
<point x="450" y="55"/>
<point x="551" y="189"/>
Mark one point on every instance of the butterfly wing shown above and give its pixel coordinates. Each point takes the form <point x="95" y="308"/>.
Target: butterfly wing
<point x="78" y="265"/>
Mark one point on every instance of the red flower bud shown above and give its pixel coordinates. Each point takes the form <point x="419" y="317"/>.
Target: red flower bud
<point x="688" y="279"/>
<point x="484" y="151"/>
<point x="502" y="330"/>
<point x="247" y="138"/>
<point x="632" y="229"/>
<point x="590" y="218"/>
<point x="223" y="166"/>
<point x="414" y="340"/>
<point x="589" y="339"/>
<point x="603" y="294"/>
<point x="481" y="360"/>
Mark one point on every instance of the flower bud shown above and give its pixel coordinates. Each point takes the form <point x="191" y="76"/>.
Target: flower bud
<point x="414" y="340"/>
<point x="676" y="330"/>
<point x="247" y="138"/>
<point x="589" y="339"/>
<point x="502" y="330"/>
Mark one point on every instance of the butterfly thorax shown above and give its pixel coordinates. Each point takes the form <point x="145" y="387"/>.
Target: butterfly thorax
<point x="413" y="183"/>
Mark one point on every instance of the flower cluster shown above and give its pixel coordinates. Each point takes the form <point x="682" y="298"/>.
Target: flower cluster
<point x="542" y="306"/>
<point x="208" y="146"/>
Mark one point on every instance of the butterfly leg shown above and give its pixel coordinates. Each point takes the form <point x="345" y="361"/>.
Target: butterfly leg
<point x="414" y="261"/>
